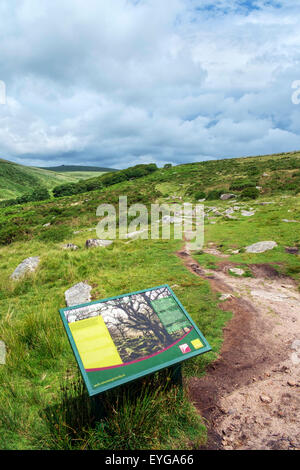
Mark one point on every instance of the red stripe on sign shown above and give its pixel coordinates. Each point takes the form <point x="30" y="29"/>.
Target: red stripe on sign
<point x="141" y="359"/>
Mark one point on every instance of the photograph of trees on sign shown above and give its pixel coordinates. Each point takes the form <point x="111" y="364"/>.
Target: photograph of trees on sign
<point x="139" y="324"/>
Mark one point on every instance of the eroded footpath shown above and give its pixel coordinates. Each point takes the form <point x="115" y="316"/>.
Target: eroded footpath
<point x="250" y="394"/>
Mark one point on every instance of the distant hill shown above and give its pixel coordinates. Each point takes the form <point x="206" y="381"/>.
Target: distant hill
<point x="76" y="168"/>
<point x="16" y="180"/>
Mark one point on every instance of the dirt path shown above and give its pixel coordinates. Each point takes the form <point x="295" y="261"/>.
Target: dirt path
<point x="250" y="394"/>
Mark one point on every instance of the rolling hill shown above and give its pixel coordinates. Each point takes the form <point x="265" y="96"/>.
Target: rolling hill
<point x="78" y="169"/>
<point x="16" y="180"/>
<point x="43" y="402"/>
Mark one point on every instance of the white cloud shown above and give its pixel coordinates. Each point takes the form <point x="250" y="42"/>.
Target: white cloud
<point x="117" y="83"/>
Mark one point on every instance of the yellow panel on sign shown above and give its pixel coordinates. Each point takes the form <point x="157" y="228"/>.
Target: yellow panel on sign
<point x="94" y="343"/>
<point x="197" y="344"/>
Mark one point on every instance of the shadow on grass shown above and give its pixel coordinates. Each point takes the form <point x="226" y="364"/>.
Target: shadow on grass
<point x="123" y="418"/>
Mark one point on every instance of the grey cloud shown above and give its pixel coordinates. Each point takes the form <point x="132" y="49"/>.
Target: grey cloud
<point x="124" y="82"/>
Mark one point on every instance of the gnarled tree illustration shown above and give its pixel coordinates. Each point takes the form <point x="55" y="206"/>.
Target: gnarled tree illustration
<point x="135" y="327"/>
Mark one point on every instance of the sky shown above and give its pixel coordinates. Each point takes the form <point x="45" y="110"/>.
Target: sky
<point x="122" y="82"/>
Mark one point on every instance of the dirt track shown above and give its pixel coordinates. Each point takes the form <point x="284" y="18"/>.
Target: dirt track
<point x="250" y="394"/>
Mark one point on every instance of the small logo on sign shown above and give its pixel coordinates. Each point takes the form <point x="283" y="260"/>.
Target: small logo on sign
<point x="185" y="348"/>
<point x="197" y="344"/>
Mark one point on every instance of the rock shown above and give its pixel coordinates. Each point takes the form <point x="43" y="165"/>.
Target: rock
<point x="167" y="219"/>
<point x="136" y="234"/>
<point x="229" y="211"/>
<point x="265" y="174"/>
<point x="292" y="250"/>
<point x="266" y="203"/>
<point x="290" y="221"/>
<point x="261" y="247"/>
<point x="292" y="383"/>
<point x="267" y="295"/>
<point x="2" y="353"/>
<point x="296" y="345"/>
<point x="247" y="213"/>
<point x="235" y="252"/>
<point x="47" y="225"/>
<point x="201" y="200"/>
<point x="225" y="197"/>
<point x="28" y="265"/>
<point x="216" y="212"/>
<point x="237" y="271"/>
<point x="265" y="398"/>
<point x="94" y="243"/>
<point x="228" y="216"/>
<point x="78" y="294"/>
<point x="70" y="246"/>
<point x="225" y="297"/>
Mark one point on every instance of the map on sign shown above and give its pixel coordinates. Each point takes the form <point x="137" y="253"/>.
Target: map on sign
<point x="120" y="339"/>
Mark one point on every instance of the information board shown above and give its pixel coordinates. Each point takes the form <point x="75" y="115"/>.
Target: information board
<point x="122" y="338"/>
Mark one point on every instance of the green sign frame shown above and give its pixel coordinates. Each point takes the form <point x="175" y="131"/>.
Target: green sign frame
<point x="168" y="350"/>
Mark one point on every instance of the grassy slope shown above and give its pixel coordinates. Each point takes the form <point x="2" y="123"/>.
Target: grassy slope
<point x="78" y="168"/>
<point x="16" y="180"/>
<point x="39" y="357"/>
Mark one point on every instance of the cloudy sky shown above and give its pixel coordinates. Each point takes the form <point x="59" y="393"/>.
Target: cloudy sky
<point x="120" y="82"/>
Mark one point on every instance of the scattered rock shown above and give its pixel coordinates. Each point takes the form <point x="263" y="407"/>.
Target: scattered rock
<point x="292" y="250"/>
<point x="70" y="246"/>
<point x="247" y="213"/>
<point x="216" y="212"/>
<point x="229" y="211"/>
<point x="136" y="234"/>
<point x="78" y="294"/>
<point x="267" y="295"/>
<point x="237" y="271"/>
<point x="94" y="243"/>
<point x="2" y="353"/>
<point x="266" y="203"/>
<point x="167" y="219"/>
<point x="261" y="247"/>
<point x="225" y="197"/>
<point x="265" y="398"/>
<point x="225" y="297"/>
<point x="28" y="265"/>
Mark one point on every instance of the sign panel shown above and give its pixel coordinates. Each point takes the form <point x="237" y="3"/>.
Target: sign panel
<point x="122" y="338"/>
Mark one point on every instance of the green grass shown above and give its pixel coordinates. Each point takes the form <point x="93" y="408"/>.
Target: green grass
<point x="43" y="401"/>
<point x="39" y="357"/>
<point x="16" y="180"/>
